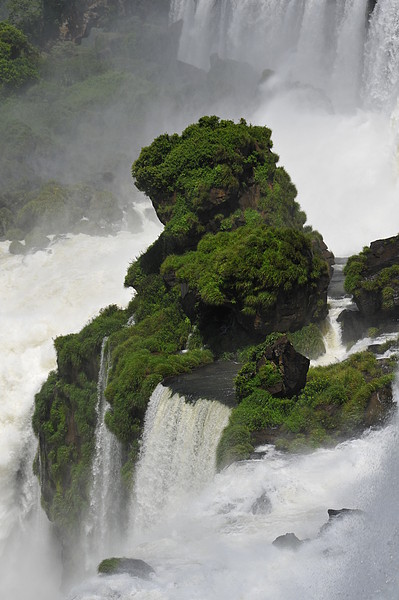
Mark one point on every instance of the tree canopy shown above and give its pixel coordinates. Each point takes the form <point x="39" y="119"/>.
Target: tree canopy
<point x="18" y="58"/>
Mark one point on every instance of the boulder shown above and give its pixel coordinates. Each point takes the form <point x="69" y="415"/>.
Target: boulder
<point x="262" y="505"/>
<point x="353" y="325"/>
<point x="274" y="366"/>
<point x="288" y="541"/>
<point x="292" y="366"/>
<point x="131" y="566"/>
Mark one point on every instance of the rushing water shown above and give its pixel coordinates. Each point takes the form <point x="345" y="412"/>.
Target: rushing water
<point x="102" y="531"/>
<point x="332" y="103"/>
<point x="178" y="454"/>
<point x="43" y="295"/>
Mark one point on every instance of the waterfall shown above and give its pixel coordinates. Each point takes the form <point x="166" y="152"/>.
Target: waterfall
<point x="316" y="42"/>
<point x="102" y="528"/>
<point x="382" y="56"/>
<point x="178" y="454"/>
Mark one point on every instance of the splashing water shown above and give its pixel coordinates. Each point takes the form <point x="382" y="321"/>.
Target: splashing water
<point x="178" y="454"/>
<point x="102" y="531"/>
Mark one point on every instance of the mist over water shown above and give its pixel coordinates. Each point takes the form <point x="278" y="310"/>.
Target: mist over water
<point x="44" y="295"/>
<point x="331" y="102"/>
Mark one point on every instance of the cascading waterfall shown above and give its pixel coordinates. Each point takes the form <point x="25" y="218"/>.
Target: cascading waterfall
<point x="178" y="454"/>
<point x="44" y="295"/>
<point x="199" y="531"/>
<point x="102" y="530"/>
<point x="382" y="56"/>
<point x="324" y="44"/>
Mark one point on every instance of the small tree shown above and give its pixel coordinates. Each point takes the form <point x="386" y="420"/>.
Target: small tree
<point x="18" y="58"/>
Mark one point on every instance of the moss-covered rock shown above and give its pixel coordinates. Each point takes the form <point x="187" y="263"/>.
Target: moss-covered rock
<point x="205" y="179"/>
<point x="132" y="566"/>
<point x="373" y="278"/>
<point x="337" y="402"/>
<point x="235" y="266"/>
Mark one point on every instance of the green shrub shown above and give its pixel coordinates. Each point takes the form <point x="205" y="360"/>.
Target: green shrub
<point x="332" y="406"/>
<point x="18" y="58"/>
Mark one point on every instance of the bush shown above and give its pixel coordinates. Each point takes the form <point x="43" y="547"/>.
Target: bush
<point x="334" y="405"/>
<point x="18" y="58"/>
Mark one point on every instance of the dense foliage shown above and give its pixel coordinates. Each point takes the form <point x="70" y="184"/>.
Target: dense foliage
<point x="18" y="58"/>
<point x="374" y="282"/>
<point x="250" y="267"/>
<point x="337" y="401"/>
<point x="53" y="132"/>
<point x="195" y="177"/>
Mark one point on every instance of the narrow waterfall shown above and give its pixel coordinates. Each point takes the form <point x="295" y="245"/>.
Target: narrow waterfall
<point x="178" y="454"/>
<point x="102" y="527"/>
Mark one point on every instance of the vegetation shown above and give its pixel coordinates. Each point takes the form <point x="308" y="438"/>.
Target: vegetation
<point x="337" y="401"/>
<point x="142" y="355"/>
<point x="374" y="286"/>
<point x="18" y="58"/>
<point x="308" y="341"/>
<point x="52" y="132"/>
<point x="109" y="565"/>
<point x="249" y="267"/>
<point x="194" y="178"/>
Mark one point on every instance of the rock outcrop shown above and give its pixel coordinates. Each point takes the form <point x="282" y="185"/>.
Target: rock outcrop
<point x="134" y="567"/>
<point x="373" y="278"/>
<point x="275" y="367"/>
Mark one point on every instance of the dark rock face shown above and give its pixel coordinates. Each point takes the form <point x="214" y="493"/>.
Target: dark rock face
<point x="292" y="366"/>
<point x="335" y="515"/>
<point x="131" y="566"/>
<point x="373" y="279"/>
<point x="353" y="325"/>
<point x="288" y="541"/>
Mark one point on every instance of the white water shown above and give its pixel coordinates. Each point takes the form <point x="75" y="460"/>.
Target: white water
<point x="335" y="136"/>
<point x="329" y="103"/>
<point x="43" y="295"/>
<point x="102" y="531"/>
<point x="178" y="455"/>
<point x="215" y="546"/>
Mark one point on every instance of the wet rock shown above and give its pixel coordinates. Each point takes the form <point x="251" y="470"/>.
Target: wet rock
<point x="292" y="366"/>
<point x="335" y="515"/>
<point x="353" y="325"/>
<point x="262" y="505"/>
<point x="131" y="566"/>
<point x="288" y="541"/>
<point x="376" y="292"/>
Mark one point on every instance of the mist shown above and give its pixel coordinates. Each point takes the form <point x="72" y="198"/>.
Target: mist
<point x="307" y="72"/>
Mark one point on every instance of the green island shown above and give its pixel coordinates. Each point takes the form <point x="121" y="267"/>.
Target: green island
<point x="235" y="274"/>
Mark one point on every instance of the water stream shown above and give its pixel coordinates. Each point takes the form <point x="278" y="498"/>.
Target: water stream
<point x="332" y="104"/>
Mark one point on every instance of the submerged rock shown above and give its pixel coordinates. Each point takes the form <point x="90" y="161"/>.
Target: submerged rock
<point x="131" y="566"/>
<point x="288" y="541"/>
<point x="262" y="505"/>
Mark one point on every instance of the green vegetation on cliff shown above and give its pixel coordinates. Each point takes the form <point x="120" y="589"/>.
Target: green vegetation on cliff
<point x="372" y="276"/>
<point x="251" y="267"/>
<point x="337" y="402"/>
<point x="64" y="420"/>
<point x="18" y="58"/>
<point x="237" y="274"/>
<point x="195" y="179"/>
